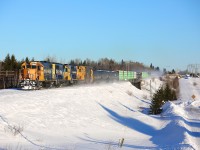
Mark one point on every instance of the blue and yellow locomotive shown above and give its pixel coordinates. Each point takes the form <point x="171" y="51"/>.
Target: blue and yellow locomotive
<point x="37" y="74"/>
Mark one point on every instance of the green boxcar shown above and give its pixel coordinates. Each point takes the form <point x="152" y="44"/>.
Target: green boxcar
<point x="126" y="75"/>
<point x="145" y="75"/>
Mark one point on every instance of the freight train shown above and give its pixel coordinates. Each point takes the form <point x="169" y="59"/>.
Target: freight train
<point x="37" y="74"/>
<point x="44" y="74"/>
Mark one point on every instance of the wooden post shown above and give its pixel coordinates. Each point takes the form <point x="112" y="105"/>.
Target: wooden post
<point x="150" y="90"/>
<point x="4" y="83"/>
<point x="11" y="78"/>
<point x="121" y="143"/>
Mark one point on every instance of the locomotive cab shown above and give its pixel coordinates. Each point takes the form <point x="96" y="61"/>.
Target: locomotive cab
<point x="70" y="73"/>
<point x="85" y="74"/>
<point x="31" y="74"/>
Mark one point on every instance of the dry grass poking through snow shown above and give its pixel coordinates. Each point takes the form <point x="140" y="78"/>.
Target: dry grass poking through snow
<point x="129" y="93"/>
<point x="194" y="84"/>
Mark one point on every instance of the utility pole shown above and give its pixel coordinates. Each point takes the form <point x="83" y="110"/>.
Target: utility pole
<point x="193" y="68"/>
<point x="127" y="71"/>
<point x="150" y="90"/>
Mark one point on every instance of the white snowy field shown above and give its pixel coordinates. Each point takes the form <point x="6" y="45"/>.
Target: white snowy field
<point x="96" y="117"/>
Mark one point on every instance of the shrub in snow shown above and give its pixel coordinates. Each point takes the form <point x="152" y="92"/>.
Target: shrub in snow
<point x="13" y="129"/>
<point x="129" y="93"/>
<point x="194" y="83"/>
<point x="157" y="102"/>
<point x="17" y="130"/>
<point x="160" y="97"/>
<point x="169" y="94"/>
<point x="144" y="96"/>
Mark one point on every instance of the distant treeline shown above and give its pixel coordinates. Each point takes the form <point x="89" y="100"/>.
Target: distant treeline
<point x="111" y="64"/>
<point x="11" y="63"/>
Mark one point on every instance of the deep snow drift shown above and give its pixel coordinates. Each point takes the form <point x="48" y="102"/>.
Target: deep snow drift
<point x="97" y="117"/>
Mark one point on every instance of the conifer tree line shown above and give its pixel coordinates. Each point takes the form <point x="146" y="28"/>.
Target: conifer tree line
<point x="111" y="64"/>
<point x="154" y="68"/>
<point x="11" y="63"/>
<point x="162" y="95"/>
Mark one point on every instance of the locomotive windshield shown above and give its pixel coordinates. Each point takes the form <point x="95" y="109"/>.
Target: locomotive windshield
<point x="33" y="66"/>
<point x="65" y="69"/>
<point x="73" y="68"/>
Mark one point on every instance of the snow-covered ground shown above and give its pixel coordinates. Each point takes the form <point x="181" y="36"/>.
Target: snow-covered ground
<point x="96" y="117"/>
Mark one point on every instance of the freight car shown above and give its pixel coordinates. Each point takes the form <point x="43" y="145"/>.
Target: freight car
<point x="105" y="75"/>
<point x="120" y="75"/>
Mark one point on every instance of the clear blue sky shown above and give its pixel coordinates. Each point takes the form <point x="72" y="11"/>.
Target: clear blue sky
<point x="163" y="32"/>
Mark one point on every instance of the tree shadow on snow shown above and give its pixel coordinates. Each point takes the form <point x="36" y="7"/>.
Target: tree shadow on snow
<point x="127" y="107"/>
<point x="130" y="122"/>
<point x="142" y="100"/>
<point x="113" y="143"/>
<point x="173" y="134"/>
<point x="143" y="110"/>
<point x="189" y="122"/>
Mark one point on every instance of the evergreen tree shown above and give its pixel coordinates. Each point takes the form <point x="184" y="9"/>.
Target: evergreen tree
<point x="157" y="102"/>
<point x="157" y="69"/>
<point x="10" y="63"/>
<point x="7" y="63"/>
<point x="111" y="64"/>
<point x="151" y="66"/>
<point x="167" y="93"/>
<point x="122" y="65"/>
<point x="13" y="63"/>
<point x="160" y="97"/>
<point x="173" y="71"/>
<point x="72" y="62"/>
<point x="27" y="60"/>
<point x="80" y="63"/>
<point x="20" y="63"/>
<point x="164" y="70"/>
<point x="84" y="63"/>
<point x="170" y="94"/>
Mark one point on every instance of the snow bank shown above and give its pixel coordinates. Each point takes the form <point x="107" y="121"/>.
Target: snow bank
<point x="92" y="117"/>
<point x="58" y="118"/>
<point x="169" y="108"/>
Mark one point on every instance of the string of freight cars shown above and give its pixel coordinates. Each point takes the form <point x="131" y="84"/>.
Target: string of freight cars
<point x="44" y="74"/>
